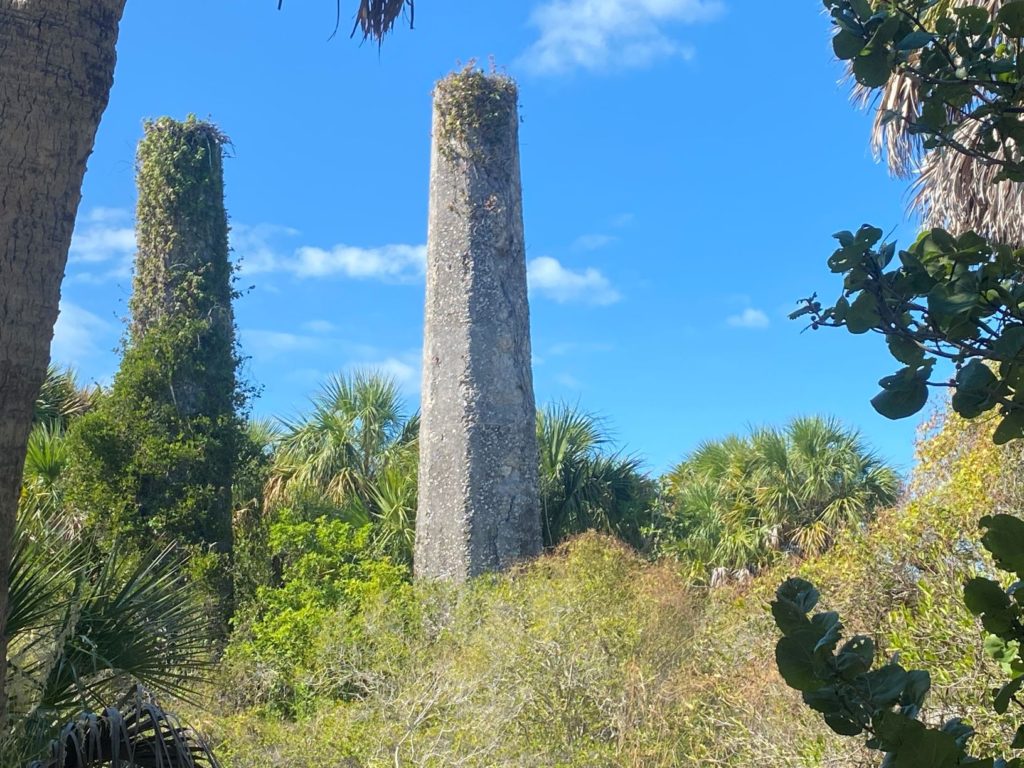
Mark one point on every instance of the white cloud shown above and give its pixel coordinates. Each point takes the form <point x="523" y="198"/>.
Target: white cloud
<point x="394" y="262"/>
<point x="266" y="345"/>
<point x="748" y="318"/>
<point x="257" y="254"/>
<point x="79" y="335"/>
<point x="599" y="35"/>
<point x="320" y="326"/>
<point x="405" y="370"/>
<point x="252" y="247"/>
<point x="548" y="277"/>
<point x="102" y="235"/>
<point x="569" y="381"/>
<point x="101" y="215"/>
<point x="592" y="242"/>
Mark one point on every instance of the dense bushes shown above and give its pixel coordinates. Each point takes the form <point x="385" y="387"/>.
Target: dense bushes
<point x="325" y="571"/>
<point x="596" y="656"/>
<point x="569" y="662"/>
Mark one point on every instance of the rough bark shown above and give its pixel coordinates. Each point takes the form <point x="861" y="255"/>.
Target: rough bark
<point x="56" y="69"/>
<point x="479" y="507"/>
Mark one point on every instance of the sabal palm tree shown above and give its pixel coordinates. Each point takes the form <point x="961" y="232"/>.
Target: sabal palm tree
<point x="583" y="485"/>
<point x="737" y="503"/>
<point x="952" y="189"/>
<point x="357" y="449"/>
<point x="61" y="399"/>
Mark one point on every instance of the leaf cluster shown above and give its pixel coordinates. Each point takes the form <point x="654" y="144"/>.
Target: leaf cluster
<point x="966" y="61"/>
<point x="855" y="696"/>
<point x="959" y="299"/>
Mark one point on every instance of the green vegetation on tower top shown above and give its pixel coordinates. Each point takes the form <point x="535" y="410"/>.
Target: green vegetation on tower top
<point x="474" y="110"/>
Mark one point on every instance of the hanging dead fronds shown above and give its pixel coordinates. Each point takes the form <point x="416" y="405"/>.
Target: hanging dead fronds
<point x="375" y="18"/>
<point x="951" y="190"/>
<point x="960" y="193"/>
<point x="137" y="733"/>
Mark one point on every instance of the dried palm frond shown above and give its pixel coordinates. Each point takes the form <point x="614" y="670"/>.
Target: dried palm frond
<point x="961" y="194"/>
<point x="375" y="17"/>
<point x="135" y="734"/>
<point x="951" y="190"/>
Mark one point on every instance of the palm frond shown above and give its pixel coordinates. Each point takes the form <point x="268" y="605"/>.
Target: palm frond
<point x="61" y="399"/>
<point x="137" y="733"/>
<point x="583" y="487"/>
<point x="741" y="501"/>
<point x="126" y="622"/>
<point x="375" y="18"/>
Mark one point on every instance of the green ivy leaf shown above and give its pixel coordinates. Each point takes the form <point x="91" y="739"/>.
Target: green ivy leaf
<point x="905" y="350"/>
<point x="1010" y="428"/>
<point x="1018" y="739"/>
<point x="885" y="685"/>
<point x="843" y="725"/>
<point x="987" y="599"/>
<point x="788" y="617"/>
<point x="924" y="747"/>
<point x="1010" y="342"/>
<point x="984" y="596"/>
<point x="976" y="387"/>
<point x="800" y="592"/>
<point x="915" y="40"/>
<point x="863" y="314"/>
<point x="794" y="656"/>
<point x="874" y="69"/>
<point x="919" y="682"/>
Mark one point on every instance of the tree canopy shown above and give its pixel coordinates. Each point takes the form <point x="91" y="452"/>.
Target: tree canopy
<point x="956" y="296"/>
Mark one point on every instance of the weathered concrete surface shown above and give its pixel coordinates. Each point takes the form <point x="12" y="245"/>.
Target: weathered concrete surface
<point x="479" y="507"/>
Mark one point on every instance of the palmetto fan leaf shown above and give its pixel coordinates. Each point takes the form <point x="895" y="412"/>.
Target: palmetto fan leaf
<point x="337" y="450"/>
<point x="135" y="734"/>
<point x="45" y="459"/>
<point x="394" y="506"/>
<point x="358" y="450"/>
<point x="583" y="487"/>
<point x="737" y="503"/>
<point x="61" y="399"/>
<point x="113" y="623"/>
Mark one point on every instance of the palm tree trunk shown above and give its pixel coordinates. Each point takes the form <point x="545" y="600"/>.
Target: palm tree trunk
<point x="56" y="68"/>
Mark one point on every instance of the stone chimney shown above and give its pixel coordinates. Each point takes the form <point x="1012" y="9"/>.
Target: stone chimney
<point x="479" y="506"/>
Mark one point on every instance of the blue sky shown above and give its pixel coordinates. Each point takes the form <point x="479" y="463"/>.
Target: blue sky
<point x="684" y="166"/>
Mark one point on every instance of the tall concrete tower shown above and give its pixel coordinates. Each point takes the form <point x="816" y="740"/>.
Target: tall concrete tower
<point x="479" y="506"/>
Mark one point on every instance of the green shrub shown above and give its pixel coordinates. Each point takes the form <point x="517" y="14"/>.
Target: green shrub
<point x="325" y="566"/>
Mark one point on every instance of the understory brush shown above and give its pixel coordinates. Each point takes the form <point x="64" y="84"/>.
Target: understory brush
<point x="595" y="656"/>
